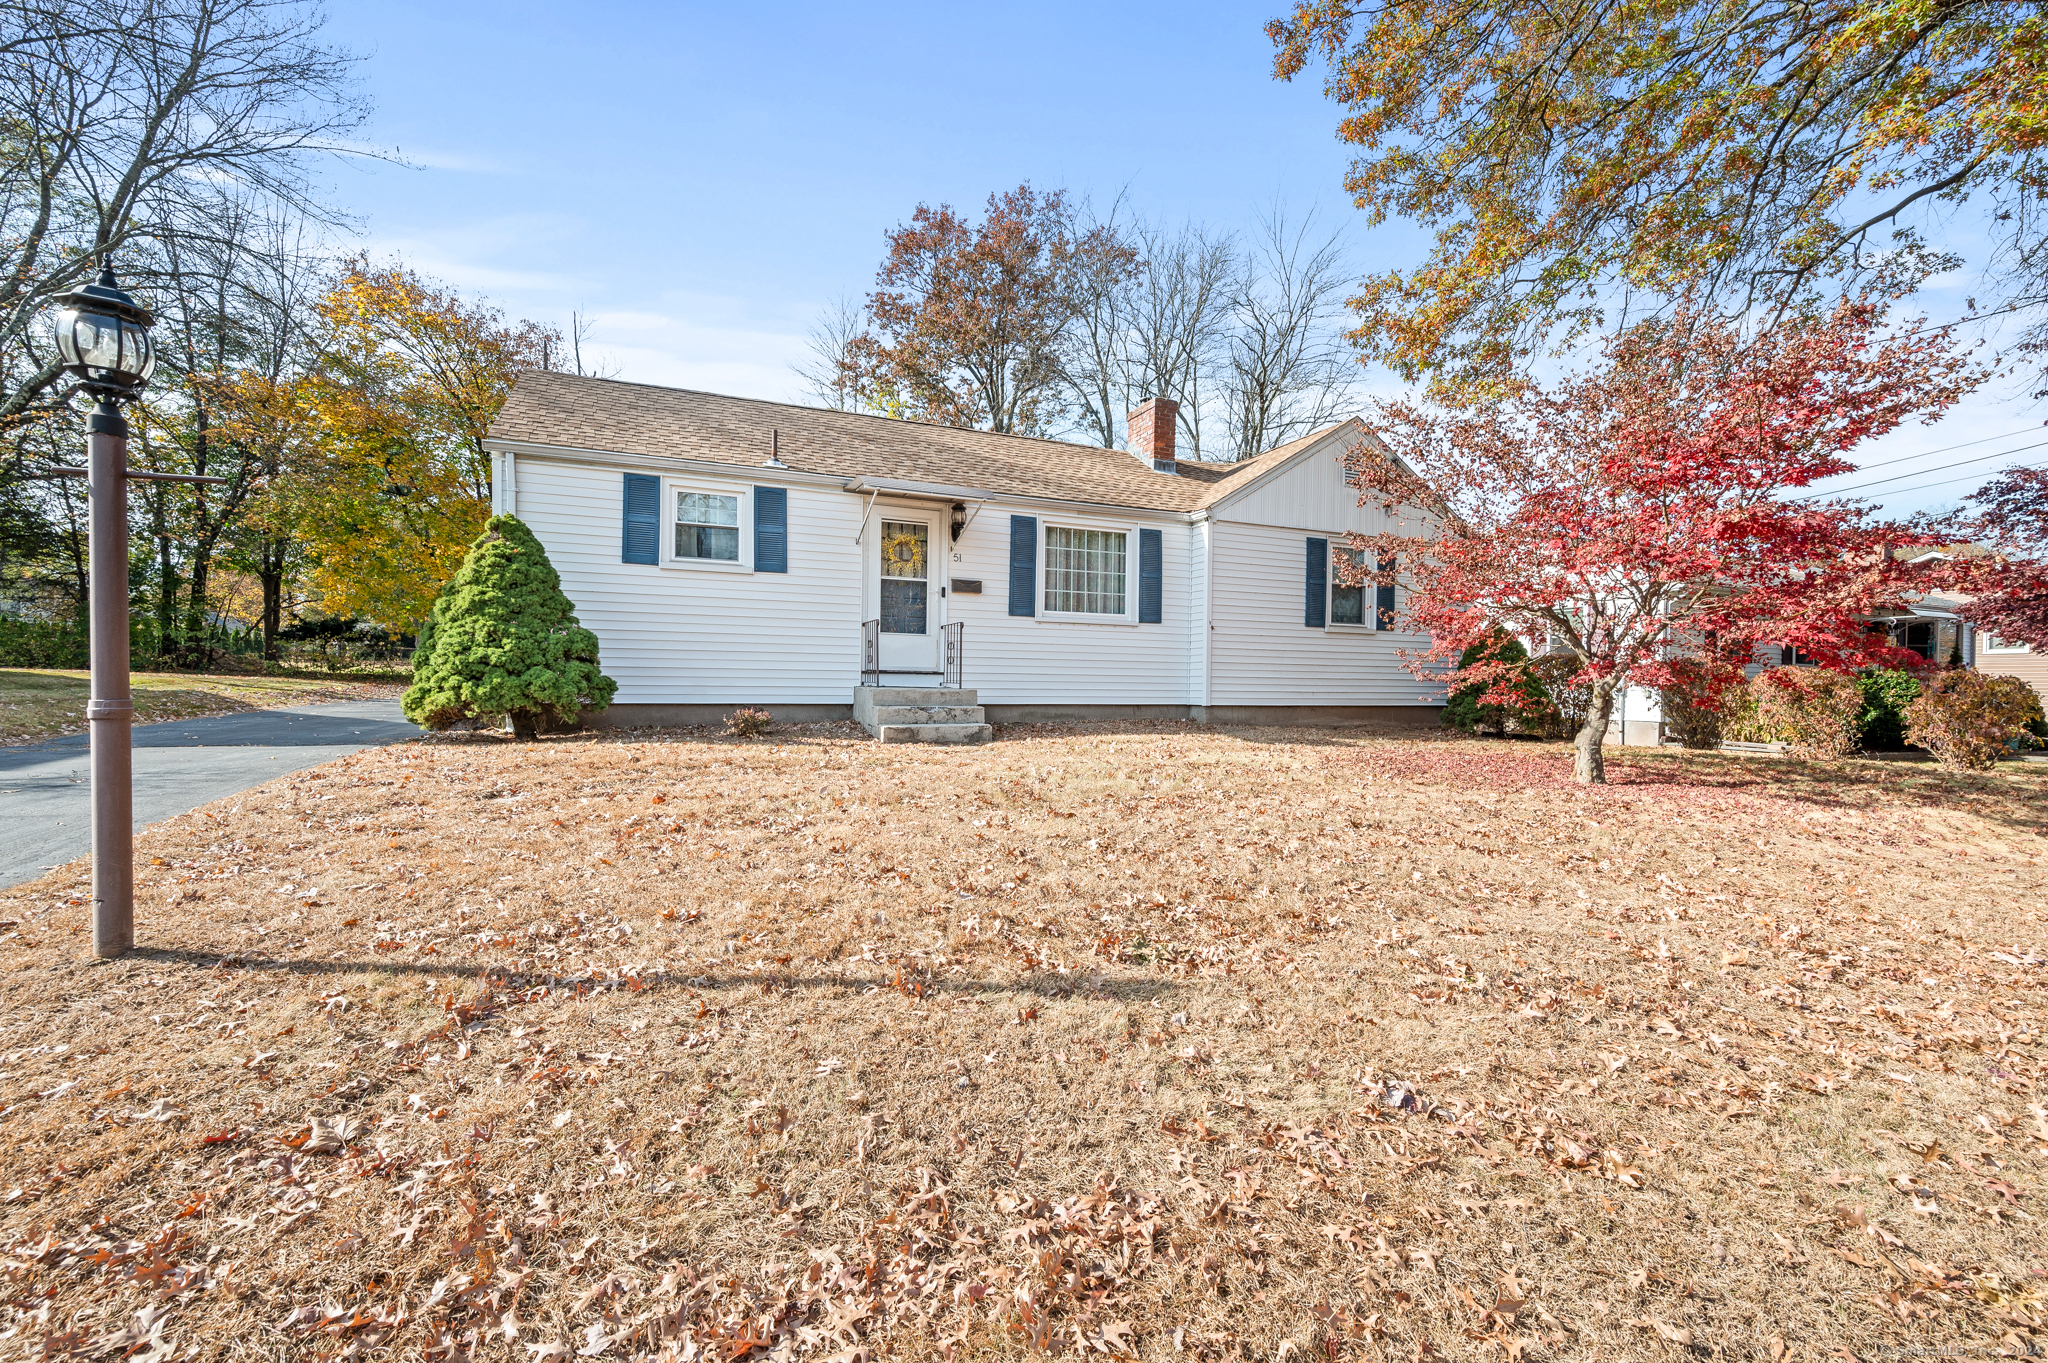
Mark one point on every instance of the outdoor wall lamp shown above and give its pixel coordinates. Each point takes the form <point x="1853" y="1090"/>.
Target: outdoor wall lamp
<point x="959" y="519"/>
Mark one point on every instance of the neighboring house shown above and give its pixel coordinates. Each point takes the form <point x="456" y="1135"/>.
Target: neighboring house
<point x="728" y="551"/>
<point x="1930" y="626"/>
<point x="2001" y="658"/>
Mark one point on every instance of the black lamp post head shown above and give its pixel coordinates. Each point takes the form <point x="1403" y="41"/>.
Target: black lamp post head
<point x="103" y="335"/>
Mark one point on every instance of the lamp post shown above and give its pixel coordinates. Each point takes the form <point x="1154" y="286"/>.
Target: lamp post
<point x="103" y="336"/>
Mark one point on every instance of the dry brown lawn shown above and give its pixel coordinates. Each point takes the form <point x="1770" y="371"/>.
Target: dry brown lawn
<point x="1150" y="1041"/>
<point x="40" y="703"/>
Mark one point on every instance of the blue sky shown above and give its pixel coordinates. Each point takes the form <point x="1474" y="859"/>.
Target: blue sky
<point x="705" y="180"/>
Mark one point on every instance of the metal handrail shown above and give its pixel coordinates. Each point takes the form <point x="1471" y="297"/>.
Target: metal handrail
<point x="955" y="653"/>
<point x="871" y="652"/>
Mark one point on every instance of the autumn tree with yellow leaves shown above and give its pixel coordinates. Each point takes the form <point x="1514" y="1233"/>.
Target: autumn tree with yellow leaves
<point x="397" y="483"/>
<point x="1570" y="160"/>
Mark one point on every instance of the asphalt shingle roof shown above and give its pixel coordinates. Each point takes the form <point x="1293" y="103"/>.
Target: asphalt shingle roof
<point x="573" y="412"/>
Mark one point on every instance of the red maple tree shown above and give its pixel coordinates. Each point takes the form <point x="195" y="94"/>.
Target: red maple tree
<point x="1637" y="514"/>
<point x="2009" y="585"/>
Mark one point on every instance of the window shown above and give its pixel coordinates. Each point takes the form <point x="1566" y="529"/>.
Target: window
<point x="1347" y="603"/>
<point x="707" y="526"/>
<point x="1991" y="643"/>
<point x="1918" y="637"/>
<point x="1085" y="570"/>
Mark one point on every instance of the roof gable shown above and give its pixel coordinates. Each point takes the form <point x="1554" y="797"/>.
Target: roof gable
<point x="1256" y="473"/>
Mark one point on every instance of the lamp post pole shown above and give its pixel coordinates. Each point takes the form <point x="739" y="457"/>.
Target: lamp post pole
<point x="111" y="711"/>
<point x="102" y="336"/>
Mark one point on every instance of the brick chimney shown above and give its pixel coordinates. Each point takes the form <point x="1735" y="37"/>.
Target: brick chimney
<point x="1151" y="429"/>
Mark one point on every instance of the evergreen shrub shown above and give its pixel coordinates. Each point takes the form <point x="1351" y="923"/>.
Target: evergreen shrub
<point x="503" y="641"/>
<point x="1886" y="693"/>
<point x="1463" y="710"/>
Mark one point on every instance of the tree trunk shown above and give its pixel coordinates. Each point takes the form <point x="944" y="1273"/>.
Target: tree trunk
<point x="522" y="725"/>
<point x="166" y="594"/>
<point x="270" y="571"/>
<point x="198" y="649"/>
<point x="1589" y="765"/>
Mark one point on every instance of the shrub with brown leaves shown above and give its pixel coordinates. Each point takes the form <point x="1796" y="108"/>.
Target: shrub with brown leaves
<point x="746" y="722"/>
<point x="1812" y="708"/>
<point x="1969" y="720"/>
<point x="1695" y="700"/>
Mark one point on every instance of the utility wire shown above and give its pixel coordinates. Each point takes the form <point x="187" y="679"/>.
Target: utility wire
<point x="1939" y="482"/>
<point x="1923" y="454"/>
<point x="1916" y="473"/>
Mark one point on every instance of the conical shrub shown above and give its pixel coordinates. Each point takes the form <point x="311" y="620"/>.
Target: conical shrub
<point x="503" y="640"/>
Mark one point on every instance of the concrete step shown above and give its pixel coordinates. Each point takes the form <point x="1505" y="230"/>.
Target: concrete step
<point x="915" y="695"/>
<point x="928" y="714"/>
<point x="935" y="733"/>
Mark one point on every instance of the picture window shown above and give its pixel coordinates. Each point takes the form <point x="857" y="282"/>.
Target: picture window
<point x="1086" y="571"/>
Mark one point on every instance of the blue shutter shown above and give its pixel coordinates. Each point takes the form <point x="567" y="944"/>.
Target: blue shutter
<point x="1318" y="592"/>
<point x="1385" y="617"/>
<point x="641" y="540"/>
<point x="1151" y="563"/>
<point x="1023" y="565"/>
<point x="771" y="530"/>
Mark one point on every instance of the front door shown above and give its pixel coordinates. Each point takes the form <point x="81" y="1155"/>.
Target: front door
<point x="906" y="596"/>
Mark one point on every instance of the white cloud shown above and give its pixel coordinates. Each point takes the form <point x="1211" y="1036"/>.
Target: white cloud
<point x="469" y="256"/>
<point x="695" y="348"/>
<point x="424" y="158"/>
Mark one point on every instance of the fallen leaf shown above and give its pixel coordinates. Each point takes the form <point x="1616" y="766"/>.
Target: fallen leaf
<point x="329" y="1134"/>
<point x="1676" y="1334"/>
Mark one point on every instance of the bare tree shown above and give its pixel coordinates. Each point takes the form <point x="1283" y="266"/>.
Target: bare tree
<point x="1251" y="340"/>
<point x="580" y="327"/>
<point x="563" y="354"/>
<point x="1158" y="331"/>
<point x="1180" y="312"/>
<point x="236" y="325"/>
<point x="1096" y="364"/>
<point x="1287" y="370"/>
<point x="831" y="373"/>
<point x="123" y="121"/>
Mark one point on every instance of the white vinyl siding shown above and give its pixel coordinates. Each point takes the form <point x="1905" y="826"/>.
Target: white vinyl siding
<point x="1262" y="654"/>
<point x="688" y="633"/>
<point x="1051" y="659"/>
<point x="1199" y="605"/>
<point x="709" y="631"/>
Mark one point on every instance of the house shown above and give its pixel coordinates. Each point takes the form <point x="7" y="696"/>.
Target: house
<point x="1939" y="632"/>
<point x="730" y="552"/>
<point x="1929" y="625"/>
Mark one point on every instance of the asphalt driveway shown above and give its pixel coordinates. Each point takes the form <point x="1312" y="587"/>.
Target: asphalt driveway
<point x="46" y="790"/>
